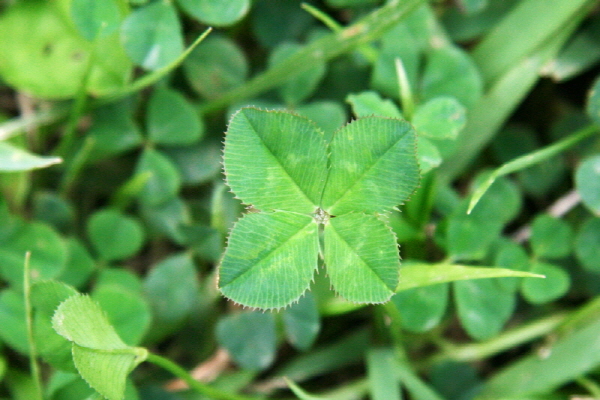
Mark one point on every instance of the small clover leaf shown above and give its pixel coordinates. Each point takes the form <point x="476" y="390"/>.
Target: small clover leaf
<point x="313" y="198"/>
<point x="102" y="359"/>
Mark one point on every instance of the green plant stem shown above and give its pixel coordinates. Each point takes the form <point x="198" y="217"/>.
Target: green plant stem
<point x="76" y="165"/>
<point x="200" y="387"/>
<point x="590" y="386"/>
<point x="35" y="368"/>
<point x="502" y="342"/>
<point x="328" y="47"/>
<point x="531" y="159"/>
<point x="406" y="96"/>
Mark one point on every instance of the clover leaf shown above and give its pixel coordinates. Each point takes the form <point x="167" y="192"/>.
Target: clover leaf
<point x="314" y="197"/>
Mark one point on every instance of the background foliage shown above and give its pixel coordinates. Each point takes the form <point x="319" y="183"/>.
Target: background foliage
<point x="111" y="127"/>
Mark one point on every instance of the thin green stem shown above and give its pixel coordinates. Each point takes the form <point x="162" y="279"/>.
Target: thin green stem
<point x="35" y="368"/>
<point x="200" y="387"/>
<point x="502" y="342"/>
<point x="76" y="165"/>
<point x="591" y="386"/>
<point x="326" y="48"/>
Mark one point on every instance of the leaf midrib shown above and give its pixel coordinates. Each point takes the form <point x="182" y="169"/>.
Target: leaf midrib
<point x="362" y="259"/>
<point x="267" y="255"/>
<point x="255" y="130"/>
<point x="367" y="170"/>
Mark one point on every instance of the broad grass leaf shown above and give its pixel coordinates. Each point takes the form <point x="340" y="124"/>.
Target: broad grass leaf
<point x="373" y="166"/>
<point x="361" y="256"/>
<point x="419" y="274"/>
<point x="569" y="358"/>
<point x="152" y="35"/>
<point x="13" y="159"/>
<point x="250" y="338"/>
<point x="381" y="371"/>
<point x="270" y="259"/>
<point x="275" y="160"/>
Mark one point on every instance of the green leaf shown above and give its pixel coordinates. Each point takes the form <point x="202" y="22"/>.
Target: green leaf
<point x="48" y="253"/>
<point x="587" y="182"/>
<point x="299" y="86"/>
<point x="113" y="131"/>
<point x="164" y="182"/>
<point x="46" y="296"/>
<point x="373" y="166"/>
<point x="369" y="103"/>
<point x="216" y="67"/>
<point x="449" y="71"/>
<point x="483" y="306"/>
<point x="550" y="237"/>
<point x="114" y="235"/>
<point x="13" y="329"/>
<point x="328" y="115"/>
<point x="152" y="35"/>
<point x="216" y="12"/>
<point x="540" y="291"/>
<point x="301" y="322"/>
<point x="383" y="380"/>
<point x="419" y="274"/>
<point x="52" y="60"/>
<point x="421" y="308"/>
<point x="95" y="19"/>
<point x="198" y="163"/>
<point x="440" y="118"/>
<point x="361" y="256"/>
<point x="249" y="337"/>
<point x="269" y="172"/>
<point x="14" y="159"/>
<point x="428" y="155"/>
<point x="127" y="311"/>
<point x="99" y="354"/>
<point x="593" y="104"/>
<point x="80" y="264"/>
<point x="171" y="119"/>
<point x="171" y="287"/>
<point x="270" y="259"/>
<point x="567" y="360"/>
<point x="587" y="244"/>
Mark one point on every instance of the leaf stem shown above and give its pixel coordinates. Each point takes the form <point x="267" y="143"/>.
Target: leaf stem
<point x="326" y="48"/>
<point x="502" y="342"/>
<point x="198" y="386"/>
<point x="34" y="366"/>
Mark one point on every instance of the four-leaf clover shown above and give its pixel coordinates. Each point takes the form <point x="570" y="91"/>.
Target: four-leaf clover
<point x="314" y="197"/>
